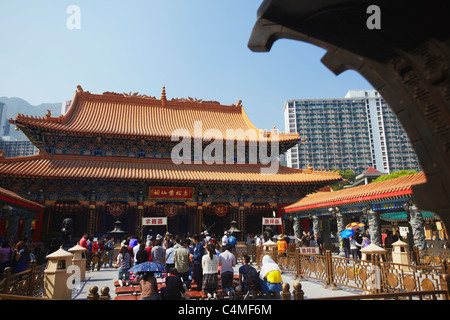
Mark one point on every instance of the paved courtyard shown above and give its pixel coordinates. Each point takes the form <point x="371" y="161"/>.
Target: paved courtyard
<point x="107" y="276"/>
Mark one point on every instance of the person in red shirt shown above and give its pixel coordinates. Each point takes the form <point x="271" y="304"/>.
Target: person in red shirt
<point x="95" y="245"/>
<point x="83" y="241"/>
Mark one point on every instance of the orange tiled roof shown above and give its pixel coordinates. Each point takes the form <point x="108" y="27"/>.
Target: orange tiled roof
<point x="73" y="167"/>
<point x="390" y="188"/>
<point x="13" y="198"/>
<point x="142" y="116"/>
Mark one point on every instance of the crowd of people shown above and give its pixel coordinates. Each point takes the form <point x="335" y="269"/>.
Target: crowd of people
<point x="15" y="255"/>
<point x="355" y="243"/>
<point x="194" y="262"/>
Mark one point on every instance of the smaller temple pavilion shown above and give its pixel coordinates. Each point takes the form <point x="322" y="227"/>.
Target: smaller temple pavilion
<point x="373" y="204"/>
<point x="110" y="158"/>
<point x="18" y="216"/>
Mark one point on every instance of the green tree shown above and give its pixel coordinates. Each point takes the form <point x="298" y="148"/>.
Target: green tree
<point x="348" y="177"/>
<point x="394" y="175"/>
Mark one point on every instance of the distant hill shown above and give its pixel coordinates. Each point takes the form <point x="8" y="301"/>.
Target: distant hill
<point x="19" y="105"/>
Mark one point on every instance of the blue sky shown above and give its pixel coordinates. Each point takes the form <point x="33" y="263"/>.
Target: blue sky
<point x="195" y="48"/>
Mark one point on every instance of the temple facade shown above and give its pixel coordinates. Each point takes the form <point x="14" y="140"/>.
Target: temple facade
<point x="157" y="165"/>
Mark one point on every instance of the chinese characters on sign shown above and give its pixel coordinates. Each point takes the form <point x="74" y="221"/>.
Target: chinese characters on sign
<point x="272" y="221"/>
<point x="309" y="250"/>
<point x="176" y="193"/>
<point x="154" y="221"/>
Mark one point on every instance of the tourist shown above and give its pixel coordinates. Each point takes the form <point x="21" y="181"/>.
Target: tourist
<point x="354" y="247"/>
<point x="210" y="266"/>
<point x="5" y="256"/>
<point x="169" y="255"/>
<point x="177" y="243"/>
<point x="149" y="247"/>
<point x="359" y="240"/>
<point x="83" y="241"/>
<point x="346" y="246"/>
<point x="270" y="276"/>
<point x="20" y="259"/>
<point x="282" y="246"/>
<point x="199" y="252"/>
<point x="90" y="243"/>
<point x="174" y="286"/>
<point x="158" y="253"/>
<point x="258" y="241"/>
<point x="225" y="239"/>
<point x="389" y="240"/>
<point x="136" y="248"/>
<point x="123" y="263"/>
<point x="248" y="276"/>
<point x="232" y="240"/>
<point x="141" y="254"/>
<point x="149" y="287"/>
<point x="319" y="243"/>
<point x="365" y="242"/>
<point x="227" y="261"/>
<point x="306" y="238"/>
<point x="182" y="262"/>
<point x="132" y="241"/>
<point x="95" y="246"/>
<point x="149" y="241"/>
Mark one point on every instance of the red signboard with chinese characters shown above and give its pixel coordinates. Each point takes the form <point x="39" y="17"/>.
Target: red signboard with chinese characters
<point x="272" y="221"/>
<point x="309" y="250"/>
<point x="175" y="193"/>
<point x="154" y="221"/>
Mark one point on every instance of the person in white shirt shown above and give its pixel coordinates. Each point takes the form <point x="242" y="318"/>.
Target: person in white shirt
<point x="224" y="239"/>
<point x="258" y="241"/>
<point x="354" y="247"/>
<point x="227" y="261"/>
<point x="169" y="256"/>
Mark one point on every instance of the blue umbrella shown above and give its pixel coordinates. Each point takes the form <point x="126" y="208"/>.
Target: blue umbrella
<point x="148" y="267"/>
<point x="347" y="233"/>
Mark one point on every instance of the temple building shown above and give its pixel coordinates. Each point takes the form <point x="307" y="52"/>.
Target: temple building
<point x="155" y="165"/>
<point x="380" y="206"/>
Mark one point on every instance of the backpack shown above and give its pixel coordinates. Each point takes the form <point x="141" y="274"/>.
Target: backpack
<point x="251" y="278"/>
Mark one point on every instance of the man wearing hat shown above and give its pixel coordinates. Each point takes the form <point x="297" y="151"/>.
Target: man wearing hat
<point x="281" y="245"/>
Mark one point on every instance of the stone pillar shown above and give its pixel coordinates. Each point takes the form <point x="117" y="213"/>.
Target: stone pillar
<point x="326" y="230"/>
<point x="416" y="226"/>
<point x="374" y="227"/>
<point x="316" y="225"/>
<point x="297" y="230"/>
<point x="340" y="227"/>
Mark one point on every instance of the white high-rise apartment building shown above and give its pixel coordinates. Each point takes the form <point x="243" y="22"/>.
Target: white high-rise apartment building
<point x="354" y="132"/>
